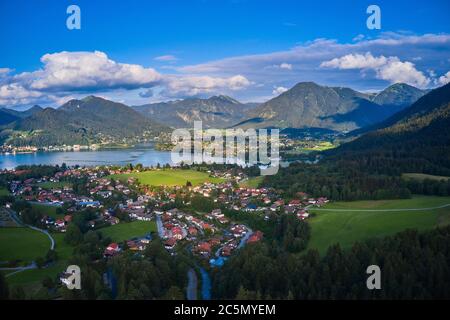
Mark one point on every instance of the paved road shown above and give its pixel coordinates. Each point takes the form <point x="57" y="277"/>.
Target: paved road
<point x="19" y="269"/>
<point x="384" y="210"/>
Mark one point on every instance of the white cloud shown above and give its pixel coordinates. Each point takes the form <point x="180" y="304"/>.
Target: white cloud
<point x="286" y="66"/>
<point x="307" y="57"/>
<point x="96" y="73"/>
<point x="14" y="94"/>
<point x="4" y="71"/>
<point x="444" y="79"/>
<point x="279" y="90"/>
<point x="358" y="38"/>
<point x="166" y="58"/>
<point x="356" y="61"/>
<point x="87" y="71"/>
<point x="176" y="86"/>
<point x="386" y="68"/>
<point x="67" y="73"/>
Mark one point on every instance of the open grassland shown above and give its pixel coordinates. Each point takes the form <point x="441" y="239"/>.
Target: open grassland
<point x="422" y="176"/>
<point x="252" y="182"/>
<point x="31" y="280"/>
<point x="126" y="231"/>
<point x="347" y="227"/>
<point x="3" y="192"/>
<point x="170" y="177"/>
<point x="22" y="244"/>
<point x="321" y="146"/>
<point x="47" y="210"/>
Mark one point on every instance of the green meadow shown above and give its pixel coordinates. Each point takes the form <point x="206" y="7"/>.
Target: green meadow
<point x="3" y="192"/>
<point x="422" y="176"/>
<point x="347" y="227"/>
<point x="31" y="280"/>
<point x="22" y="244"/>
<point x="252" y="182"/>
<point x="169" y="177"/>
<point x="126" y="231"/>
<point x="47" y="210"/>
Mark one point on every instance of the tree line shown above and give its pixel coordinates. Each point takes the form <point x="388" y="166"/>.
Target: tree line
<point x="413" y="266"/>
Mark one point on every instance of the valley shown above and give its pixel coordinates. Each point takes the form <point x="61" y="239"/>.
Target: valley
<point x="116" y="210"/>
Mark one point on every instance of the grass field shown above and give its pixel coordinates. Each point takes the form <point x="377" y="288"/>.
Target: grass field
<point x="345" y="228"/>
<point x="31" y="280"/>
<point x="252" y="182"/>
<point x="169" y="177"/>
<point x="422" y="176"/>
<point x="22" y="244"/>
<point x="126" y="231"/>
<point x="47" y="210"/>
<point x="321" y="146"/>
<point x="3" y="192"/>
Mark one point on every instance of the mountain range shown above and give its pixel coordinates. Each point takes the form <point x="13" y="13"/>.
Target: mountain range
<point x="10" y="115"/>
<point x="215" y="112"/>
<point x="86" y="121"/>
<point x="308" y="104"/>
<point x="416" y="139"/>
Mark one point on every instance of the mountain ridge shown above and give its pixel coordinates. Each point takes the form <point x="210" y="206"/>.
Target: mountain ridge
<point x="87" y="121"/>
<point x="215" y="112"/>
<point x="309" y="104"/>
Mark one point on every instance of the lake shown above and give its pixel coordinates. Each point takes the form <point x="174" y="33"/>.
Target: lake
<point x="144" y="154"/>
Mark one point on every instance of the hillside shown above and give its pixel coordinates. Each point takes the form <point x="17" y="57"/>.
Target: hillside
<point x="398" y="96"/>
<point x="6" y="117"/>
<point x="416" y="139"/>
<point x="86" y="121"/>
<point x="308" y="104"/>
<point x="23" y="114"/>
<point x="214" y="112"/>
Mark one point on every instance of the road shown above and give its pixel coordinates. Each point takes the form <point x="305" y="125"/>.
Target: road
<point x="19" y="269"/>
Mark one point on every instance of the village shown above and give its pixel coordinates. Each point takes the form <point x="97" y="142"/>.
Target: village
<point x="210" y="236"/>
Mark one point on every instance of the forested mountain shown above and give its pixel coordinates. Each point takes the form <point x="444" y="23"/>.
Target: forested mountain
<point x="415" y="140"/>
<point x="23" y="114"/>
<point x="398" y="96"/>
<point x="90" y="120"/>
<point x="214" y="112"/>
<point x="6" y="117"/>
<point x="308" y="104"/>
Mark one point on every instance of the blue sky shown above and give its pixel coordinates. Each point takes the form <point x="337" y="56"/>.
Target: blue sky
<point x="249" y="49"/>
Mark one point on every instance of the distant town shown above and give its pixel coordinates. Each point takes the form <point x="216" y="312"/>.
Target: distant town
<point x="210" y="236"/>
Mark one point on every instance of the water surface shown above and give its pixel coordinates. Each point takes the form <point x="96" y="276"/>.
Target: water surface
<point x="144" y="154"/>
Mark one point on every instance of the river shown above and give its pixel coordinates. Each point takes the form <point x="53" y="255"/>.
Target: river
<point x="144" y="154"/>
